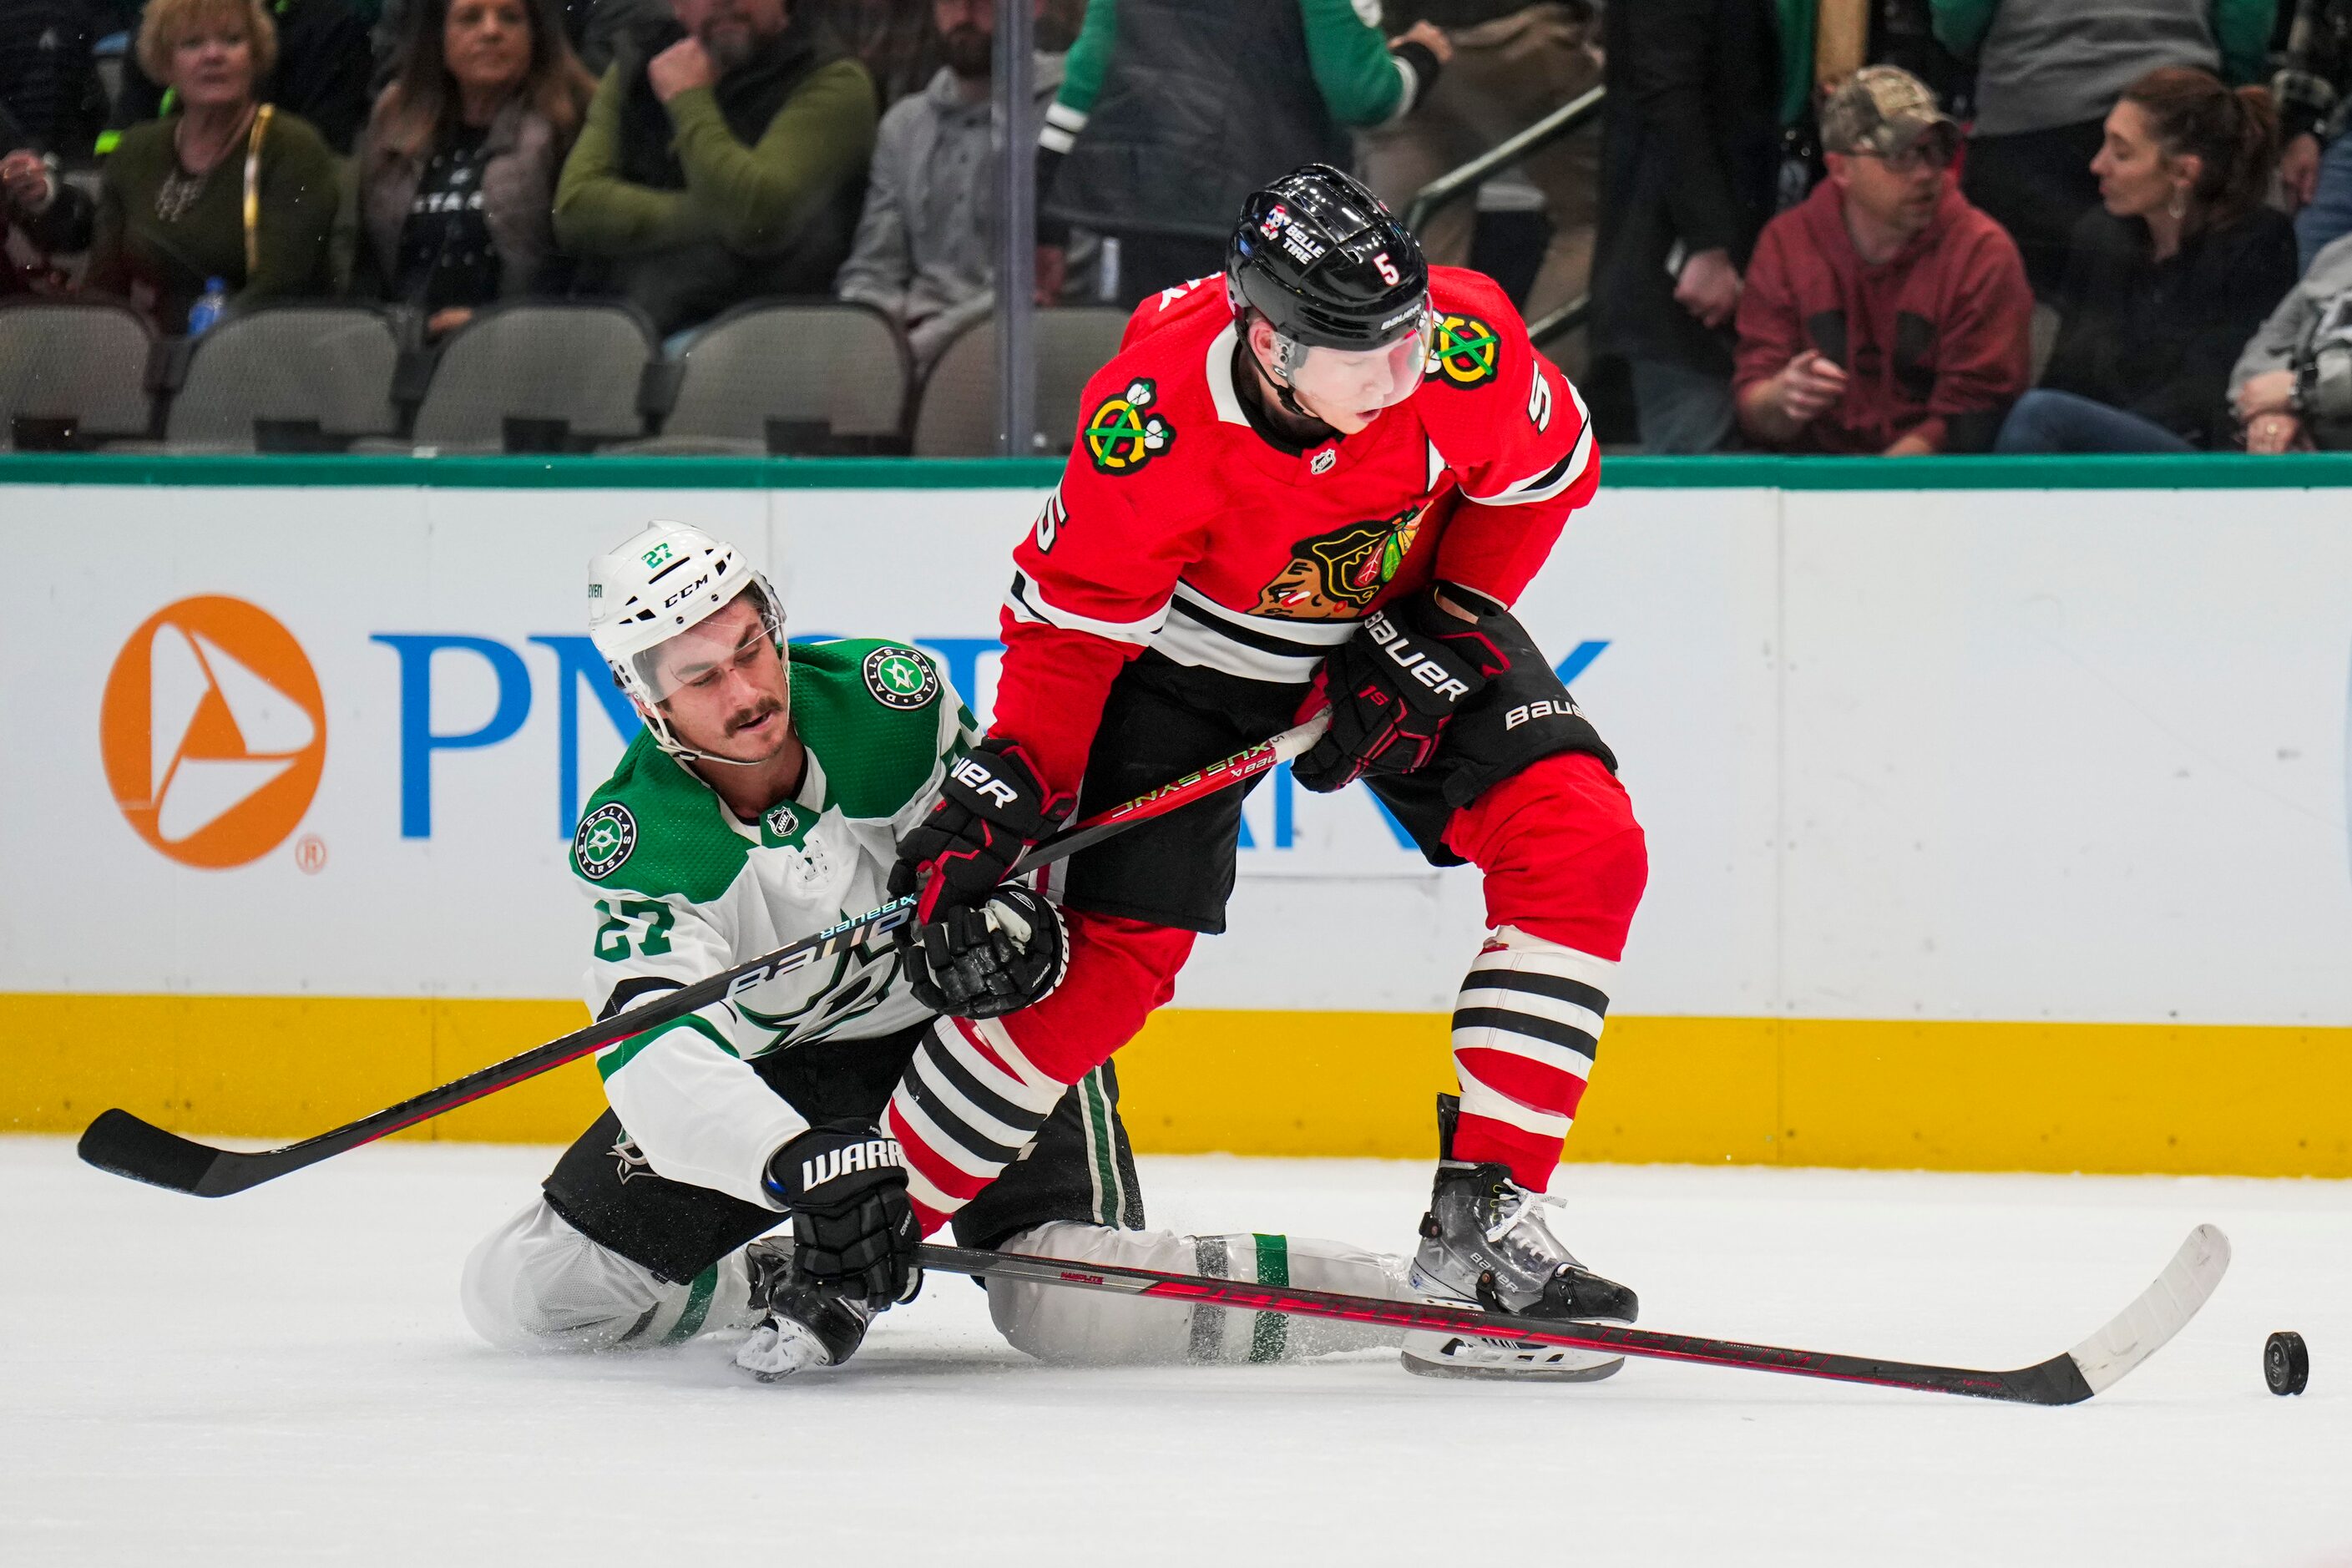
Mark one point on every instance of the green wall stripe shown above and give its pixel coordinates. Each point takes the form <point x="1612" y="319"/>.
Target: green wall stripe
<point x="1270" y="1335"/>
<point x="2190" y="471"/>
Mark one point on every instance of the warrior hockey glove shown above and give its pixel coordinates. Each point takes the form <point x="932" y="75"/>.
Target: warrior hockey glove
<point x="991" y="807"/>
<point x="1393" y="687"/>
<point x="987" y="962"/>
<point x="853" y="1232"/>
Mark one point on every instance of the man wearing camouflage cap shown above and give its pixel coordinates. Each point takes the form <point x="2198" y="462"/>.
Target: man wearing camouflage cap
<point x="1884" y="313"/>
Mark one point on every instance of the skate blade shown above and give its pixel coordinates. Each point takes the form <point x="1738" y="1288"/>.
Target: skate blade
<point x="1420" y="1368"/>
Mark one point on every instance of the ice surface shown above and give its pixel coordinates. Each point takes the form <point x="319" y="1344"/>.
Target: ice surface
<point x="284" y="1377"/>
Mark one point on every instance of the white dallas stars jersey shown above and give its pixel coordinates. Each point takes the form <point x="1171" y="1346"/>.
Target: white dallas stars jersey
<point x="683" y="891"/>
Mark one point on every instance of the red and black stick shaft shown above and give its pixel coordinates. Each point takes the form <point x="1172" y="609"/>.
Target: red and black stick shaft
<point x="128" y="1146"/>
<point x="2058" y="1380"/>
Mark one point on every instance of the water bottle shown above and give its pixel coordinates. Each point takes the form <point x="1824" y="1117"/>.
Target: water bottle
<point x="208" y="307"/>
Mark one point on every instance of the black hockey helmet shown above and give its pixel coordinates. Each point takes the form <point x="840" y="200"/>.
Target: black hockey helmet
<point x="1326" y="263"/>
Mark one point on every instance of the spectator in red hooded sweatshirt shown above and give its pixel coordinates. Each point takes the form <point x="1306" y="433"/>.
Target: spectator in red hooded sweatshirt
<point x="1885" y="314"/>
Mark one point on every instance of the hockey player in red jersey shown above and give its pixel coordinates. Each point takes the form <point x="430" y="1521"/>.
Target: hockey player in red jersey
<point x="1321" y="480"/>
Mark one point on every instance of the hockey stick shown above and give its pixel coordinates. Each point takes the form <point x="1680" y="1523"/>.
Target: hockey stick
<point x="128" y="1146"/>
<point x="2135" y="1333"/>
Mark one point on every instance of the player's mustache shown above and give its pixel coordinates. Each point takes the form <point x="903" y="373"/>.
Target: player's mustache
<point x="750" y="717"/>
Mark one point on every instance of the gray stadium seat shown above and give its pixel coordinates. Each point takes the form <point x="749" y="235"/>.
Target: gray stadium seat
<point x="958" y="417"/>
<point x="538" y="378"/>
<point x="2044" y="332"/>
<point x="72" y="373"/>
<point x="288" y="377"/>
<point x="812" y="377"/>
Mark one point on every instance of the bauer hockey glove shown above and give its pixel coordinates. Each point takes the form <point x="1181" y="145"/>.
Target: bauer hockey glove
<point x="991" y="807"/>
<point x="853" y="1232"/>
<point x="985" y="962"/>
<point x="1394" y="687"/>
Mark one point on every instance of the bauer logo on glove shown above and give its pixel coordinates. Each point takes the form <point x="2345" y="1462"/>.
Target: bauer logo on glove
<point x="1441" y="679"/>
<point x="1393" y="688"/>
<point x="993" y="805"/>
<point x="975" y="777"/>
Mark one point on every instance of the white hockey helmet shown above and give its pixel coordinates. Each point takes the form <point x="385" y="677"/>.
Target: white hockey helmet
<point x="655" y="585"/>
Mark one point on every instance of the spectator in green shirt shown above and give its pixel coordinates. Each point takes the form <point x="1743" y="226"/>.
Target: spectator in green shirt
<point x="724" y="165"/>
<point x="222" y="188"/>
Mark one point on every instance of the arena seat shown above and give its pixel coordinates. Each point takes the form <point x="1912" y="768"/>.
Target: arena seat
<point x="538" y="377"/>
<point x="958" y="413"/>
<point x="289" y="376"/>
<point x="812" y="377"/>
<point x="73" y="373"/>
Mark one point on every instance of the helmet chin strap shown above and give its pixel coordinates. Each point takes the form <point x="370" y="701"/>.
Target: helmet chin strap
<point x="1287" y="352"/>
<point x="666" y="738"/>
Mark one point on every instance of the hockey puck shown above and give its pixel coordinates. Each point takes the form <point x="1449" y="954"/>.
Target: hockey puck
<point x="2287" y="1362"/>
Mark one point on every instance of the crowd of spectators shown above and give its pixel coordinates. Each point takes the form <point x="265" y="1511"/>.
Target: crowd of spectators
<point x="1895" y="226"/>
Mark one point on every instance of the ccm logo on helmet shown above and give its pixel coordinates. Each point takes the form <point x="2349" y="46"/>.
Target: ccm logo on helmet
<point x="689" y="591"/>
<point x="981" y="782"/>
<point x="873" y="1154"/>
<point x="1400" y="652"/>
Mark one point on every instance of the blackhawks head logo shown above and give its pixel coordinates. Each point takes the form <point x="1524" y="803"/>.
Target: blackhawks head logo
<point x="1466" y="351"/>
<point x="1333" y="577"/>
<point x="1122" y="434"/>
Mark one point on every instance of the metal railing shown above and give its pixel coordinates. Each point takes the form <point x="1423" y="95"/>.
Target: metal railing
<point x="1454" y="184"/>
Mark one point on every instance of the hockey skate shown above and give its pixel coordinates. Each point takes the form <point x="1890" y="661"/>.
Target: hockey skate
<point x="1484" y="1242"/>
<point x="801" y="1326"/>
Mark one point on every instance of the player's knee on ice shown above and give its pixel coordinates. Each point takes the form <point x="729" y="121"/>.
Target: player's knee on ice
<point x="535" y="1283"/>
<point x="1055" y="1323"/>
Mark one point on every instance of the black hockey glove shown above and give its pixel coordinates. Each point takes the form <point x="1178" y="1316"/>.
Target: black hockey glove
<point x="1393" y="687"/>
<point x="987" y="962"/>
<point x="853" y="1232"/>
<point x="991" y="807"/>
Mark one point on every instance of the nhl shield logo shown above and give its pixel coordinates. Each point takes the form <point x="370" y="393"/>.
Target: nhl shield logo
<point x="606" y="836"/>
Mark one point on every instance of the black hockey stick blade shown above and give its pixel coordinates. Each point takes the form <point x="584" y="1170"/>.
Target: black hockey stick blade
<point x="129" y="1146"/>
<point x="120" y="1142"/>
<point x="2131" y="1337"/>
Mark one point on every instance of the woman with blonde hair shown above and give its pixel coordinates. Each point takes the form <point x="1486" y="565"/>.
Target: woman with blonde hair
<point x="457" y="168"/>
<point x="226" y="188"/>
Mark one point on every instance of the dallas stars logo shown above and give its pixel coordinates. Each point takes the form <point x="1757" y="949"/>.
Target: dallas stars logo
<point x="605" y="838"/>
<point x="1121" y="436"/>
<point x="1466" y="351"/>
<point x="631" y="1159"/>
<point x="900" y="678"/>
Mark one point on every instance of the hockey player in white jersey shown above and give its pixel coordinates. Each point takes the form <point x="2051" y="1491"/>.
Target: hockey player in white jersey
<point x="761" y="803"/>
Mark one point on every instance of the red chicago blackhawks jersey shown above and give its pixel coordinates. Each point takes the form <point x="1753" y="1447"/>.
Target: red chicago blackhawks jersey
<point x="1178" y="529"/>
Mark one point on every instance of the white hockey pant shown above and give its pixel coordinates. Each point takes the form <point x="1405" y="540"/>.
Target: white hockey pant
<point x="535" y="1283"/>
<point x="1056" y="1323"/>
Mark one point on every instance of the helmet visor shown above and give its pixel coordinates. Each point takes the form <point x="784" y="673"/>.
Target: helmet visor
<point x="1363" y="381"/>
<point x="728" y="660"/>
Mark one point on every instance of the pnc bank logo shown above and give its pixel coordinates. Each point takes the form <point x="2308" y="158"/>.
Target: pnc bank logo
<point x="214" y="732"/>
